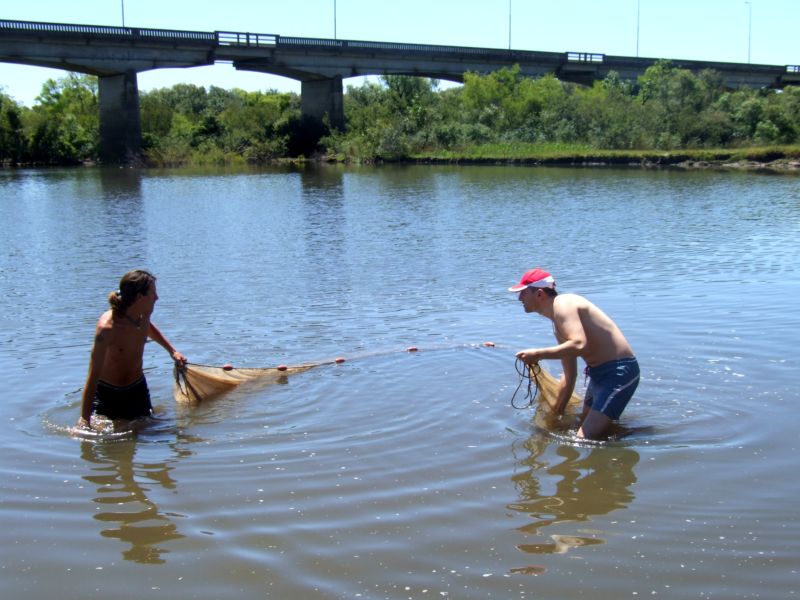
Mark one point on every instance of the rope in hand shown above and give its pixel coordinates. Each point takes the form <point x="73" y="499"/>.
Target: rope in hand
<point x="183" y="383"/>
<point x="532" y="376"/>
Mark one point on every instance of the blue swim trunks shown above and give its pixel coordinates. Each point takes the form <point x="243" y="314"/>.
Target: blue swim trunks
<point x="611" y="386"/>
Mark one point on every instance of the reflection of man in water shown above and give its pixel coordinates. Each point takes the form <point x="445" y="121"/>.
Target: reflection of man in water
<point x="588" y="483"/>
<point x="116" y="386"/>
<point x="124" y="504"/>
<point x="582" y="329"/>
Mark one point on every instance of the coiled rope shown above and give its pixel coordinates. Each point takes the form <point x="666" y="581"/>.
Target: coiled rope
<point x="531" y="374"/>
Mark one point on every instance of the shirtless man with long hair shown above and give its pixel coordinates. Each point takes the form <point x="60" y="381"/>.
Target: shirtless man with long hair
<point x="116" y="386"/>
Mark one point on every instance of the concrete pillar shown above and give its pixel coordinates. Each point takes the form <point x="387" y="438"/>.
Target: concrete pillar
<point x="323" y="96"/>
<point x="120" y="123"/>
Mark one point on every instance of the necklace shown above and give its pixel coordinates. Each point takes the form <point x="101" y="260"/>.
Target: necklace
<point x="135" y="322"/>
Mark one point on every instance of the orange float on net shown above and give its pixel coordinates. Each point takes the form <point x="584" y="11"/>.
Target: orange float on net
<point x="412" y="349"/>
<point x="282" y="367"/>
<point x="227" y="367"/>
<point x="489" y="344"/>
<point x="338" y="360"/>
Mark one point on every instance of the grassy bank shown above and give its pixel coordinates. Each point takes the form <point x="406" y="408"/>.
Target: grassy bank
<point x="779" y="157"/>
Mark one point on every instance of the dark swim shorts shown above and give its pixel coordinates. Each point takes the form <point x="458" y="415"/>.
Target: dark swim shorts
<point x="611" y="386"/>
<point x="127" y="402"/>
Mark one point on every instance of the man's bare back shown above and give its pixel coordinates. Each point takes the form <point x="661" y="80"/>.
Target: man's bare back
<point x="603" y="339"/>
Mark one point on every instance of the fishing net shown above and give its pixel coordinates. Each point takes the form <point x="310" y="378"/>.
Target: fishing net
<point x="548" y="388"/>
<point x="541" y="383"/>
<point x="196" y="383"/>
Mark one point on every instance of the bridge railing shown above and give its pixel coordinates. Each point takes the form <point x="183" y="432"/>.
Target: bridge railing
<point x="395" y="46"/>
<point x="258" y="40"/>
<point x="75" y="30"/>
<point x="585" y="57"/>
<point x="423" y="49"/>
<point x="30" y="26"/>
<point x="794" y="69"/>
<point x="171" y="34"/>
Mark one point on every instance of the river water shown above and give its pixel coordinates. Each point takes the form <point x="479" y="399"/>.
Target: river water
<point x="402" y="474"/>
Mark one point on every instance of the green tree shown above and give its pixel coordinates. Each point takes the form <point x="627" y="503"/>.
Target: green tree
<point x="186" y="123"/>
<point x="12" y="135"/>
<point x="63" y="127"/>
<point x="258" y="125"/>
<point x="387" y="120"/>
<point x="515" y="107"/>
<point x="607" y="115"/>
<point x="677" y="103"/>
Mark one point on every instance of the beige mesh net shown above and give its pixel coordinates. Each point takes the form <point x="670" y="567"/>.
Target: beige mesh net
<point x="548" y="388"/>
<point x="196" y="383"/>
<point x="549" y="420"/>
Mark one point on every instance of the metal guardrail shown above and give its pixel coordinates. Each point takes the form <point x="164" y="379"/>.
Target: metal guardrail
<point x="397" y="46"/>
<point x="171" y="34"/>
<point x="70" y="29"/>
<point x="258" y="40"/>
<point x="421" y="49"/>
<point x="31" y="26"/>
<point x="585" y="57"/>
<point x="793" y="68"/>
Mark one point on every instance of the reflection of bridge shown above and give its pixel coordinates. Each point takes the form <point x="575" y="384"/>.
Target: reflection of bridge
<point x="117" y="54"/>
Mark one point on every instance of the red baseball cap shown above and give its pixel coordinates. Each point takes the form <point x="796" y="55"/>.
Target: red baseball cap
<point x="535" y="278"/>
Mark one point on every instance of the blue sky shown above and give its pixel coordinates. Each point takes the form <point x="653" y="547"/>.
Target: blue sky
<point x="720" y="30"/>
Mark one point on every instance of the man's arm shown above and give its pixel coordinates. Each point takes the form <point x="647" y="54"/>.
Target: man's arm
<point x="96" y="360"/>
<point x="155" y="334"/>
<point x="568" y="323"/>
<point x="566" y="384"/>
<point x="568" y="350"/>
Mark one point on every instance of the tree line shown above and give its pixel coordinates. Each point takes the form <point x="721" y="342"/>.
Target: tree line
<point x="400" y="117"/>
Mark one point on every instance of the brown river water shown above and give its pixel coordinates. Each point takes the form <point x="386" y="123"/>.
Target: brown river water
<point x="399" y="474"/>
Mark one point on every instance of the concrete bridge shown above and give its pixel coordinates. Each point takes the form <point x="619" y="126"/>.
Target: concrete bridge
<point x="116" y="54"/>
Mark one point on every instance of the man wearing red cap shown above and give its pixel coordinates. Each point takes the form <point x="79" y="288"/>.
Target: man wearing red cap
<point x="582" y="329"/>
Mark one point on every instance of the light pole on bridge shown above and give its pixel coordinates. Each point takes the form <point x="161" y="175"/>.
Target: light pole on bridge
<point x="638" y="13"/>
<point x="749" y="27"/>
<point x="509" y="24"/>
<point x="123" y="12"/>
<point x="334" y="19"/>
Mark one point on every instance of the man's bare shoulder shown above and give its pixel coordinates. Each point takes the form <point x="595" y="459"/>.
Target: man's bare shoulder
<point x="105" y="322"/>
<point x="567" y="302"/>
<point x="105" y="327"/>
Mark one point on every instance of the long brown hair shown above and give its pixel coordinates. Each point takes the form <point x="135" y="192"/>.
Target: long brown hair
<point x="131" y="285"/>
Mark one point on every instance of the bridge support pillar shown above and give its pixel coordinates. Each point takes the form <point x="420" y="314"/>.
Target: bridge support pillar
<point x="323" y="96"/>
<point x="120" y="124"/>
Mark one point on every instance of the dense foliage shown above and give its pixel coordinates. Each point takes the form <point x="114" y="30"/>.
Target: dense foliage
<point x="60" y="129"/>
<point x="667" y="109"/>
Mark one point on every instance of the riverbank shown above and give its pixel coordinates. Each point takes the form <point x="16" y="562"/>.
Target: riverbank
<point x="772" y="158"/>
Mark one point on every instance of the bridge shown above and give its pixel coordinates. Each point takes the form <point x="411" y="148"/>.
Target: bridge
<point x="116" y="54"/>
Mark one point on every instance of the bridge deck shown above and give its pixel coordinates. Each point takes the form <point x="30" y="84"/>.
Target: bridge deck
<point x="345" y="58"/>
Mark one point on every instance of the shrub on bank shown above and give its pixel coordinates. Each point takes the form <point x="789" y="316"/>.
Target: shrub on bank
<point x="498" y="115"/>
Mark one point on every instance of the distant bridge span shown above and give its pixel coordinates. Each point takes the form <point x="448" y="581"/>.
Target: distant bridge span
<point x="117" y="54"/>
